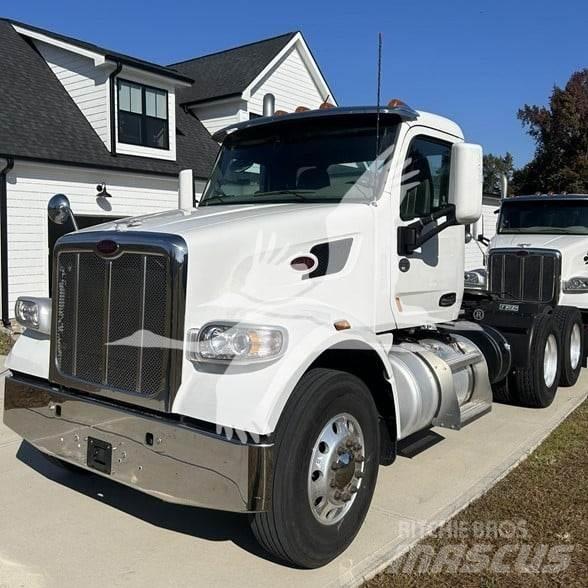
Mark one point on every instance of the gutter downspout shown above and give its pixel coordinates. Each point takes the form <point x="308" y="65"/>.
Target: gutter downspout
<point x="112" y="82"/>
<point x="4" y="240"/>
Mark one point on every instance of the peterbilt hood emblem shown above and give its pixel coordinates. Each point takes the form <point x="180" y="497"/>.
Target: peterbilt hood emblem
<point x="107" y="247"/>
<point x="524" y="245"/>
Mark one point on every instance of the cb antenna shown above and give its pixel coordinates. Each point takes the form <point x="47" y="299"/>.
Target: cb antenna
<point x="378" y="97"/>
<point x="378" y="101"/>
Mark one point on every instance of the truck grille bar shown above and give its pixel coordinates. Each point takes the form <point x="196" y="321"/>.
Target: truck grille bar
<point x="530" y="275"/>
<point x="118" y="320"/>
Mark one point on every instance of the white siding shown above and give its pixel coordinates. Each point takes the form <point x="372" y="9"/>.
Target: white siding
<point x="291" y="84"/>
<point x="217" y="115"/>
<point x="474" y="258"/>
<point x="84" y="82"/>
<point x="30" y="186"/>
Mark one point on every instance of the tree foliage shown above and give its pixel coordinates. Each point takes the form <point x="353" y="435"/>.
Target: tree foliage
<point x="494" y="167"/>
<point x="560" y="132"/>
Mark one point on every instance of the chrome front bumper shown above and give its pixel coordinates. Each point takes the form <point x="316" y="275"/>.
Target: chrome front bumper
<point x="165" y="458"/>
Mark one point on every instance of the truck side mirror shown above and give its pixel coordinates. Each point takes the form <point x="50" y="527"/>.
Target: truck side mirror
<point x="59" y="210"/>
<point x="465" y="182"/>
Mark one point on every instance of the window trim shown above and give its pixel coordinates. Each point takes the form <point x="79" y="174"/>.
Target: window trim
<point x="144" y="116"/>
<point x="430" y="139"/>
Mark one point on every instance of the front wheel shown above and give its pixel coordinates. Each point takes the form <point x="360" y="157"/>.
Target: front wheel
<point x="325" y="470"/>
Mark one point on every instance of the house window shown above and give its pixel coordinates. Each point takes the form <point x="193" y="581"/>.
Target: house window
<point x="142" y="115"/>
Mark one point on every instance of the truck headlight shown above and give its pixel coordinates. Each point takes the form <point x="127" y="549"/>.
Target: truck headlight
<point x="576" y="285"/>
<point x="475" y="280"/>
<point x="236" y="342"/>
<point x="34" y="313"/>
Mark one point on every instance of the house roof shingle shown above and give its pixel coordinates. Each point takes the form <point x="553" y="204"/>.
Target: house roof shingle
<point x="39" y="120"/>
<point x="229" y="72"/>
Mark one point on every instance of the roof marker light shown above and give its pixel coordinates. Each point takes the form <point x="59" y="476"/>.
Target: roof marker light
<point x="396" y="103"/>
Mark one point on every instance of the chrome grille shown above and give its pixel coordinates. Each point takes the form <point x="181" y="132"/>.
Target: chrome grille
<point x="118" y="321"/>
<point x="530" y="275"/>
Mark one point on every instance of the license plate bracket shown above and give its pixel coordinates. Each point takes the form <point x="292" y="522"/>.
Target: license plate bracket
<point x="99" y="455"/>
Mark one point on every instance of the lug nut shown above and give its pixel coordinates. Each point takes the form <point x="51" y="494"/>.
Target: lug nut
<point x="349" y="443"/>
<point x="359" y="458"/>
<point x="337" y="495"/>
<point x="341" y="450"/>
<point x="357" y="447"/>
<point x="359" y="475"/>
<point x="353" y="489"/>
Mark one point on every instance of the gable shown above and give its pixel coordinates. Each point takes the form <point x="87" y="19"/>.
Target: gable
<point x="291" y="82"/>
<point x="86" y="84"/>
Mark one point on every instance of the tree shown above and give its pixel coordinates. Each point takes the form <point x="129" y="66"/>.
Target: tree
<point x="494" y="167"/>
<point x="560" y="132"/>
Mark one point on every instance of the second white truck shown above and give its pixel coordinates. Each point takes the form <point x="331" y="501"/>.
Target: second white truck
<point x="537" y="263"/>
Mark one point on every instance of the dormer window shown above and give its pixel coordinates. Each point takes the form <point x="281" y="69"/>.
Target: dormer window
<point x="142" y="115"/>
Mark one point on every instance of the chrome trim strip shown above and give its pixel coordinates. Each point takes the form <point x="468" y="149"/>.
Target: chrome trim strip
<point x="184" y="465"/>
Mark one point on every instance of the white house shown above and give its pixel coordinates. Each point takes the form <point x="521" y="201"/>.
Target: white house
<point x="112" y="131"/>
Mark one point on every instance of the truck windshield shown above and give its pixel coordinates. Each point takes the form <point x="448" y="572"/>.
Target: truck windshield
<point x="312" y="160"/>
<point x="551" y="217"/>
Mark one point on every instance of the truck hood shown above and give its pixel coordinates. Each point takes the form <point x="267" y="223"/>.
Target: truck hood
<point x="182" y="223"/>
<point x="573" y="249"/>
<point x="240" y="257"/>
<point x="559" y="242"/>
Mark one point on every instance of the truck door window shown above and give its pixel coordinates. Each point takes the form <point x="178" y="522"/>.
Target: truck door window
<point x="425" y="184"/>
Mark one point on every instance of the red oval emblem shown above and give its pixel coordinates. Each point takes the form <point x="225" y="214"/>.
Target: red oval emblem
<point x="107" y="247"/>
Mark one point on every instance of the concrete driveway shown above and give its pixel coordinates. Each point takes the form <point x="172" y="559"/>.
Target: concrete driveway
<point x="61" y="529"/>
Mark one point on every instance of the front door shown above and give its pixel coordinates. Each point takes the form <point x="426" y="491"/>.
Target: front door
<point x="427" y="284"/>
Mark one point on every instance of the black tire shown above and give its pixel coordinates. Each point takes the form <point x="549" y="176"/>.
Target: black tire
<point x="530" y="387"/>
<point x="566" y="318"/>
<point x="290" y="531"/>
<point x="501" y="392"/>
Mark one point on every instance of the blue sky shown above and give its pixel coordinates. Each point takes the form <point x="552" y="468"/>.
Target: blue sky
<point x="476" y="62"/>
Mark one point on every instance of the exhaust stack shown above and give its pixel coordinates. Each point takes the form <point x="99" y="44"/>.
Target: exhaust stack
<point x="269" y="105"/>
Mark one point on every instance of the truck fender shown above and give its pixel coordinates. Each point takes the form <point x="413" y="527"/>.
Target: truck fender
<point x="323" y="354"/>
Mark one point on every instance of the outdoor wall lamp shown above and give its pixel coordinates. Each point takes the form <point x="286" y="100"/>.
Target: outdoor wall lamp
<point x="102" y="192"/>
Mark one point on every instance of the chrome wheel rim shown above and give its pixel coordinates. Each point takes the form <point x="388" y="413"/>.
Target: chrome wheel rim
<point x="336" y="469"/>
<point x="550" y="361"/>
<point x="575" y="346"/>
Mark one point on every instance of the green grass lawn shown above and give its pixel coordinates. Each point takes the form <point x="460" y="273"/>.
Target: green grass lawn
<point x="544" y="501"/>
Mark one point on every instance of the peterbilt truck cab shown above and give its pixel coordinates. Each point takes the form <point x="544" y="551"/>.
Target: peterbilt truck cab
<point x="264" y="351"/>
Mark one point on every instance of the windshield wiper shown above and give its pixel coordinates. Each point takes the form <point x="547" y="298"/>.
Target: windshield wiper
<point x="218" y="197"/>
<point x="296" y="193"/>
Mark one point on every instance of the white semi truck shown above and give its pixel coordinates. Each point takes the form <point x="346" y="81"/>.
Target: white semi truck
<point x="538" y="263"/>
<point x="265" y="351"/>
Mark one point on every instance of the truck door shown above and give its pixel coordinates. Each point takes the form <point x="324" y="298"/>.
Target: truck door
<point x="427" y="285"/>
